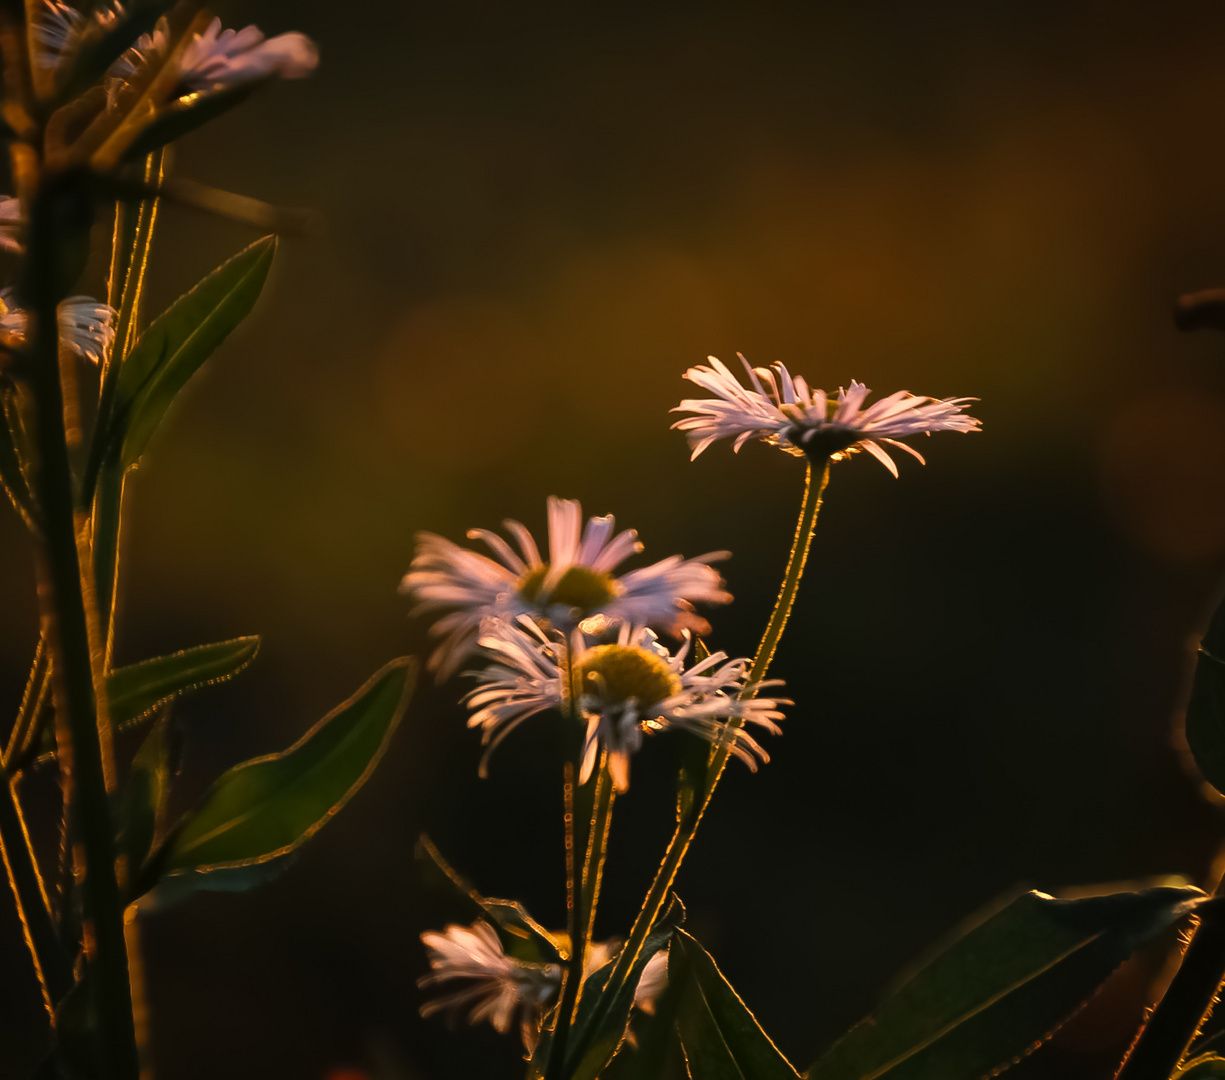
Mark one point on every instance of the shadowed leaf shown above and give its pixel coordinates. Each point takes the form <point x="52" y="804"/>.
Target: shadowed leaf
<point x="721" y="1038"/>
<point x="142" y="808"/>
<point x="267" y="807"/>
<point x="1003" y="987"/>
<point x="604" y="1014"/>
<point x="656" y="1053"/>
<point x="137" y="690"/>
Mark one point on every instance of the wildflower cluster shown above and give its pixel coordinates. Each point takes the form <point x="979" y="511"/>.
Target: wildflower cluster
<point x="575" y="637"/>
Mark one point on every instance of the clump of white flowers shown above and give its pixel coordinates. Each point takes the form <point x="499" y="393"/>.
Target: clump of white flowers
<point x="576" y="638"/>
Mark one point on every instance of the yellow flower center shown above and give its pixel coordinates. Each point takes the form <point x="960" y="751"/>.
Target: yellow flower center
<point x="620" y="672"/>
<point x="580" y="587"/>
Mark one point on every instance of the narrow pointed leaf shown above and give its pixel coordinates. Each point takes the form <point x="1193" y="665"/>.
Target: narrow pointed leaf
<point x="604" y="1012"/>
<point x="522" y="936"/>
<point x="268" y="807"/>
<point x="179" y="340"/>
<point x="657" y="1053"/>
<point x="138" y="690"/>
<point x="721" y="1038"/>
<point x="1003" y="987"/>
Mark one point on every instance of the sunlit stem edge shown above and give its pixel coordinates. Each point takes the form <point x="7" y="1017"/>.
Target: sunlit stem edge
<point x="71" y="627"/>
<point x="687" y="827"/>
<point x="588" y="815"/>
<point x="51" y="962"/>
<point x="1163" y="1042"/>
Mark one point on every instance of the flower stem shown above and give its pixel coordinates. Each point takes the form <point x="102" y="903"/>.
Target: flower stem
<point x="796" y="561"/>
<point x="687" y="826"/>
<point x="1163" y="1042"/>
<point x="588" y="818"/>
<point x="71" y="629"/>
<point x="575" y="920"/>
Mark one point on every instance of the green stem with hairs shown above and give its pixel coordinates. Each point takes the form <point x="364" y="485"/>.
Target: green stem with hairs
<point x="51" y="963"/>
<point x="687" y="826"/>
<point x="588" y="818"/>
<point x="71" y="629"/>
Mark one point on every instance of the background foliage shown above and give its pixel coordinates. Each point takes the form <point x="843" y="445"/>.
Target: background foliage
<point x="534" y="220"/>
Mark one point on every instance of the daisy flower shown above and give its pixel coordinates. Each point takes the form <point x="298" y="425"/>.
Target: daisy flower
<point x="480" y="978"/>
<point x="784" y="411"/>
<point x="576" y="583"/>
<point x="217" y="59"/>
<point x="484" y="982"/>
<point x="622" y="691"/>
<point x="87" y="327"/>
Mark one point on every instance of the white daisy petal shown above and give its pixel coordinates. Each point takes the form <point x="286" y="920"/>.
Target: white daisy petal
<point x="216" y="60"/>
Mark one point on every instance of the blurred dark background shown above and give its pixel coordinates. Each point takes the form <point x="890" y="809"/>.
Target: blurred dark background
<point x="535" y="218"/>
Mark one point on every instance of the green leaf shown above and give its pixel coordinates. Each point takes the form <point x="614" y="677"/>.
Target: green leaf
<point x="522" y="936"/>
<point x="142" y="809"/>
<point x="1205" y="726"/>
<point x="138" y="690"/>
<point x="1205" y="1067"/>
<point x="721" y="1038"/>
<point x="158" y="893"/>
<point x="268" y="807"/>
<point x="603" y="1014"/>
<point x="179" y="340"/>
<point x="1003" y="987"/>
<point x="654" y="1052"/>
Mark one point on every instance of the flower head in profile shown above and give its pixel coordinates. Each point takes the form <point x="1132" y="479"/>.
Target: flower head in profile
<point x="576" y="583"/>
<point x="622" y="691"/>
<point x="782" y="410"/>
<point x="479" y="979"/>
<point x="217" y="59"/>
<point x="87" y="327"/>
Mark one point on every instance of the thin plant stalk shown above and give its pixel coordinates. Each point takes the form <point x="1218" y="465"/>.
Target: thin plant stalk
<point x="588" y="817"/>
<point x="687" y="827"/>
<point x="32" y="702"/>
<point x="51" y="963"/>
<point x="66" y="598"/>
